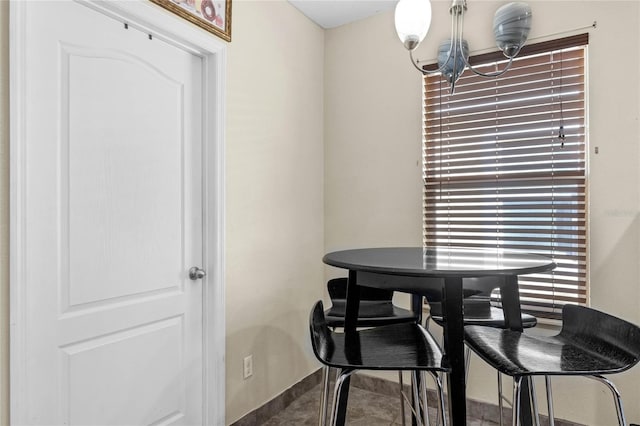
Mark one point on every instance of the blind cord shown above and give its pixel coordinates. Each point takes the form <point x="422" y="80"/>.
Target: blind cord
<point x="561" y="134"/>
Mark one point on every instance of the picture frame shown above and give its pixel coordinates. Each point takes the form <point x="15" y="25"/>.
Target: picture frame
<point x="211" y="15"/>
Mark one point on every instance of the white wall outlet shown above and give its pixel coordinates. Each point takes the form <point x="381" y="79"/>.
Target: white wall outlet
<point x="247" y="367"/>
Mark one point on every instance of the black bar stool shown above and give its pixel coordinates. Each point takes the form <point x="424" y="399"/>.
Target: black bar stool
<point x="376" y="309"/>
<point x="401" y="347"/>
<point x="591" y="343"/>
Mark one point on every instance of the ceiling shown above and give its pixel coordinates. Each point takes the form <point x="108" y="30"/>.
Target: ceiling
<point x="333" y="13"/>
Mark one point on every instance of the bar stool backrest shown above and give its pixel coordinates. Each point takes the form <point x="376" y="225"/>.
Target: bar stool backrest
<point x="601" y="333"/>
<point x="337" y="288"/>
<point x="321" y="340"/>
<point x="376" y="307"/>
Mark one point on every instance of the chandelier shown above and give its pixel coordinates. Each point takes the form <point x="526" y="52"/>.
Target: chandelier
<point x="511" y="26"/>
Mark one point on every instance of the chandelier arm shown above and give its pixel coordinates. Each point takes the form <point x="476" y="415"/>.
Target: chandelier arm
<point x="452" y="45"/>
<point x="422" y="70"/>
<point x="444" y="64"/>
<point x="466" y="61"/>
<point x="493" y="74"/>
<point x="459" y="19"/>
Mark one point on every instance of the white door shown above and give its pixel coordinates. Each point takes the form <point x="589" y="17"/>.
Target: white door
<point x="113" y="223"/>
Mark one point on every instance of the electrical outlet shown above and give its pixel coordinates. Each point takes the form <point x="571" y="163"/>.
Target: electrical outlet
<point x="247" y="367"/>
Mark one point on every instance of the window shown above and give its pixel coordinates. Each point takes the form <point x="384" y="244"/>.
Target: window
<point x="505" y="165"/>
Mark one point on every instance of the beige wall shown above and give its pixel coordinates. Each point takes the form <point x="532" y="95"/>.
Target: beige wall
<point x="372" y="138"/>
<point x="372" y="144"/>
<point x="274" y="198"/>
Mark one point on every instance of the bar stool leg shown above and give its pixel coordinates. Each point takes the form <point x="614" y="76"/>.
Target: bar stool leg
<point x="402" y="415"/>
<point x="616" y="398"/>
<point x="500" y="398"/>
<point x="336" y="394"/>
<point x="517" y="387"/>
<point x="547" y="382"/>
<point x="438" y="381"/>
<point x="534" y="402"/>
<point x="425" y="402"/>
<point x="467" y="362"/>
<point x="324" y="398"/>
<point x="416" y="398"/>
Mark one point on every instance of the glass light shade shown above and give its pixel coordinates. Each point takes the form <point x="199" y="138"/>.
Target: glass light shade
<point x="412" y="19"/>
<point x="511" y="26"/>
<point x="451" y="74"/>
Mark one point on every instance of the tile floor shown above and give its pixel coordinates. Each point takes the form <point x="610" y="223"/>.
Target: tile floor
<point x="365" y="408"/>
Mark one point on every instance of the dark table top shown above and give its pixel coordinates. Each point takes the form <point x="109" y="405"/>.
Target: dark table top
<point x="439" y="261"/>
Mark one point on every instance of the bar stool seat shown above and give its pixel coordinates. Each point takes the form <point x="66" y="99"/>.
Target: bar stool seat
<point x="517" y="354"/>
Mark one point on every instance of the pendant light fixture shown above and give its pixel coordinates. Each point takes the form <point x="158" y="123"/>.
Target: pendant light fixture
<point x="511" y="26"/>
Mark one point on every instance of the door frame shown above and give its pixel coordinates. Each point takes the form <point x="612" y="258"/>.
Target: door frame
<point x="145" y="16"/>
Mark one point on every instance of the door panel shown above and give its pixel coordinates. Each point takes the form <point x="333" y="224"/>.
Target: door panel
<point x="142" y="398"/>
<point x="114" y="222"/>
<point x="114" y="172"/>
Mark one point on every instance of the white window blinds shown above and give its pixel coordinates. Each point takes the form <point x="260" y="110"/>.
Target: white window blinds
<point x="505" y="166"/>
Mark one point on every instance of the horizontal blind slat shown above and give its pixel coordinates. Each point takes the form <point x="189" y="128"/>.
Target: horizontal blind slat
<point x="549" y="81"/>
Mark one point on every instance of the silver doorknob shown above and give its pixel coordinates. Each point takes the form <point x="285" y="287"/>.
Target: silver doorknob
<point x="196" y="273"/>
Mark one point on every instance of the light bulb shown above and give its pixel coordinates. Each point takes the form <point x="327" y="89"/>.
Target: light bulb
<point x="412" y="19"/>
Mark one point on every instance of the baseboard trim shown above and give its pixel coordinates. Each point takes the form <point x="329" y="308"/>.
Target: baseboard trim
<point x="280" y="402"/>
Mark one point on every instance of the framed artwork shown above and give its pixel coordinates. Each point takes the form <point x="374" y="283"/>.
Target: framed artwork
<point x="212" y="15"/>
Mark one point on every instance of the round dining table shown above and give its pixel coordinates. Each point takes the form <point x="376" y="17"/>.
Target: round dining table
<point x="437" y="273"/>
